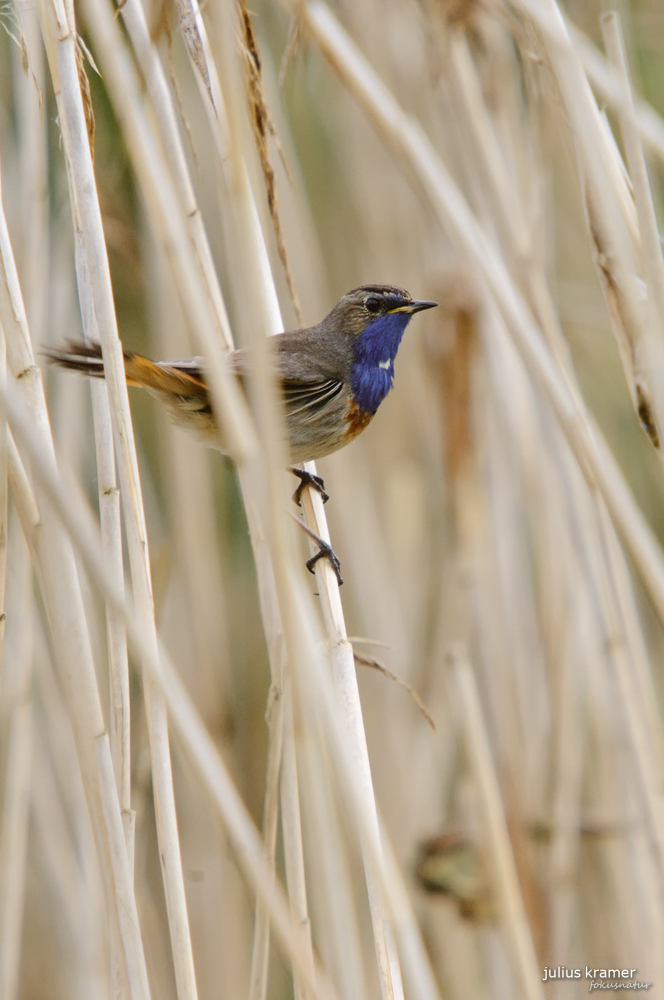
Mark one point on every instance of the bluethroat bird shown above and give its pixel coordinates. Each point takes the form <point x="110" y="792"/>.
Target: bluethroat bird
<point x="333" y="376"/>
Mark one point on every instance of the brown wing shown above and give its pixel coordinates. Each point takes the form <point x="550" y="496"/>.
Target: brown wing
<point x="309" y="398"/>
<point x="302" y="398"/>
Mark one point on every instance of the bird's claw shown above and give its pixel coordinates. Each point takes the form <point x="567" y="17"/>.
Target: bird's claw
<point x="325" y="552"/>
<point x="308" y="479"/>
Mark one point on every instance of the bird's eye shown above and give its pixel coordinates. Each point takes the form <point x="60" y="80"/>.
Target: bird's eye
<point x="373" y="305"/>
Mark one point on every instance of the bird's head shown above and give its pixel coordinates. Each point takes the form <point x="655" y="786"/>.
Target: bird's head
<point x="382" y="307"/>
<point x="374" y="318"/>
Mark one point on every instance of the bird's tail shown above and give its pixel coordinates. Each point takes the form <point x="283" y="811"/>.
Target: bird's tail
<point x="140" y="371"/>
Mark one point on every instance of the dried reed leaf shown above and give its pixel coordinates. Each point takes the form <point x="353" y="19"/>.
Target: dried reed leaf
<point x="21" y="44"/>
<point x="622" y="325"/>
<point x="86" y="95"/>
<point x="370" y="661"/>
<point x="193" y="43"/>
<point x="263" y="127"/>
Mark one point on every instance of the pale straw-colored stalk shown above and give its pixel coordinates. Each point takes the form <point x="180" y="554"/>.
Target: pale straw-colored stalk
<point x="197" y="742"/>
<point x="630" y="667"/>
<point x="61" y="827"/>
<point x="293" y="848"/>
<point x="570" y="648"/>
<point x="111" y="533"/>
<point x="59" y="31"/>
<point x="18" y="723"/>
<point x="267" y="316"/>
<point x="170" y="138"/>
<point x="346" y="680"/>
<point x="62" y="597"/>
<point x="612" y="221"/>
<point x="160" y="100"/>
<point x="167" y="214"/>
<point x="111" y="536"/>
<point x="261" y="943"/>
<point x="32" y="254"/>
<point x="418" y="973"/>
<point x="333" y="902"/>
<point x="498" y="841"/>
<point x="590" y="515"/>
<point x="199" y="746"/>
<point x="259" y="313"/>
<point x="606" y="82"/>
<point x="653" y="264"/>
<point x="4" y="507"/>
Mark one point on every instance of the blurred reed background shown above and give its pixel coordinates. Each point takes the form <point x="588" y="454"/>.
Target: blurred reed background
<point x="493" y="556"/>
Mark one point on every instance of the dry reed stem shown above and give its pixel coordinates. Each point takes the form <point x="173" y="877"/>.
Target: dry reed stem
<point x="263" y="128"/>
<point x="133" y="16"/>
<point x="15" y="814"/>
<point x="256" y="270"/>
<point x="272" y="550"/>
<point x="4" y="508"/>
<point x="488" y="156"/>
<point x="644" y="747"/>
<point x="638" y="715"/>
<point x="653" y="264"/>
<point x="322" y="699"/>
<point x="111" y="532"/>
<point x="58" y="579"/>
<point x="293" y="846"/>
<point x="607" y="83"/>
<point x="411" y="146"/>
<point x="570" y="651"/>
<point x="32" y="254"/>
<point x="167" y="213"/>
<point x="632" y="673"/>
<point x="343" y="665"/>
<point x="612" y="218"/>
<point x="416" y="963"/>
<point x="619" y="638"/>
<point x="80" y="170"/>
<point x="198" y="745"/>
<point x="504" y="869"/>
<point x="333" y="905"/>
<point x="261" y="943"/>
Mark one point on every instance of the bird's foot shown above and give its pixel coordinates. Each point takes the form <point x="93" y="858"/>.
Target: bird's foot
<point x="308" y="479"/>
<point x="325" y="552"/>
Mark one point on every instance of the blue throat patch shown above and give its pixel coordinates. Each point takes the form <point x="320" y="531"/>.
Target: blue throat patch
<point x="373" y="368"/>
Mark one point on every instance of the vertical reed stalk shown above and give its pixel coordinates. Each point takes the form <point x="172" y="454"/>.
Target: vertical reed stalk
<point x="73" y="123"/>
<point x="61" y="591"/>
<point x="502" y="860"/>
<point x="16" y="804"/>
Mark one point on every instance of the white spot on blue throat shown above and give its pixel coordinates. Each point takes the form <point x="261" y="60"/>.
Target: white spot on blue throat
<point x="373" y="368"/>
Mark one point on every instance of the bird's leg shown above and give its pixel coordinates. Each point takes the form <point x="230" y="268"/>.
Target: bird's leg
<point x="308" y="479"/>
<point x="325" y="551"/>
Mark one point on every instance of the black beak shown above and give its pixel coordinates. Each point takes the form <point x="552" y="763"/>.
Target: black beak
<point x="419" y="305"/>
